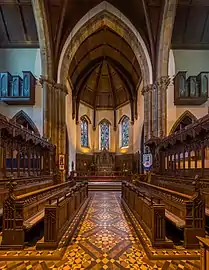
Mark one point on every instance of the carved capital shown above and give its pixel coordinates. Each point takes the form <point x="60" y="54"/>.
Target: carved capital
<point x="163" y="82"/>
<point x="147" y="88"/>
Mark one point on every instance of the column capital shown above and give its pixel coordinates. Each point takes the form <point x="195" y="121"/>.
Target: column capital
<point x="163" y="82"/>
<point x="147" y="88"/>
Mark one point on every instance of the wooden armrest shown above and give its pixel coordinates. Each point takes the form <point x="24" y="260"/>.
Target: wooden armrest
<point x="180" y="223"/>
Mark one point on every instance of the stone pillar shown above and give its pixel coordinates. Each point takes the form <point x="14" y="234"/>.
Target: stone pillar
<point x="146" y="116"/>
<point x="162" y="85"/>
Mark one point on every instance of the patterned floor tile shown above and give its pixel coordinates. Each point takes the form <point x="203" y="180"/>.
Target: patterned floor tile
<point x="104" y="240"/>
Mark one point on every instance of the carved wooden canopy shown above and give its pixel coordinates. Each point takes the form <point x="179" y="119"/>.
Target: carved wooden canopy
<point x="15" y="130"/>
<point x="196" y="130"/>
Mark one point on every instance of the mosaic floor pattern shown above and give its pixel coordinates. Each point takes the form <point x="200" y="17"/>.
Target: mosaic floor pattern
<point x="104" y="240"/>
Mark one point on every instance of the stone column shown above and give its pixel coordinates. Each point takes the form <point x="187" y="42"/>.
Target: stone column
<point x="146" y="116"/>
<point x="162" y="85"/>
<point x="154" y="111"/>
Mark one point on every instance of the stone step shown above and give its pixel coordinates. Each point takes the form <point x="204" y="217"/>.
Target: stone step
<point x="104" y="186"/>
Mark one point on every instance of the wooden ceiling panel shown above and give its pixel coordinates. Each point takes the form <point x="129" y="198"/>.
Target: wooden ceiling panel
<point x="205" y="36"/>
<point x="14" y="25"/>
<point x="195" y="25"/>
<point x="31" y="30"/>
<point x="17" y="24"/>
<point x="191" y="25"/>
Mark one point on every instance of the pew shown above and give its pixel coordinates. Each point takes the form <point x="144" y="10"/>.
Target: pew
<point x="150" y="214"/>
<point x="182" y="185"/>
<point x="21" y="213"/>
<point x="24" y="185"/>
<point x="58" y="217"/>
<point x="184" y="211"/>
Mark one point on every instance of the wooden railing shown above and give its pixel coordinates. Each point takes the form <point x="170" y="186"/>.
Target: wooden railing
<point x="24" y="211"/>
<point x="103" y="173"/>
<point x="24" y="185"/>
<point x="58" y="217"/>
<point x="150" y="215"/>
<point x="186" y="212"/>
<point x="204" y="251"/>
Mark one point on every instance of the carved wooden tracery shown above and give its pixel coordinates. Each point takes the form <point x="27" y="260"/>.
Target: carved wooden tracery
<point x="23" y="153"/>
<point x="185" y="152"/>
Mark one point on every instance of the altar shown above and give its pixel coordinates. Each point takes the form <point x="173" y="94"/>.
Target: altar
<point x="104" y="161"/>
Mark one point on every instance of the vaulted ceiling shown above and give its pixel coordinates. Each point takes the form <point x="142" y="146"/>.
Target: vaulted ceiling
<point x="104" y="71"/>
<point x="18" y="27"/>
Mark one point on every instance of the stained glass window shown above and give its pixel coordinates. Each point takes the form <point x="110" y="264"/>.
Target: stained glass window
<point x="125" y="132"/>
<point x="104" y="135"/>
<point x="84" y="133"/>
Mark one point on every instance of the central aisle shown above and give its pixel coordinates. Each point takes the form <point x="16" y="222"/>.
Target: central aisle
<point x="106" y="240"/>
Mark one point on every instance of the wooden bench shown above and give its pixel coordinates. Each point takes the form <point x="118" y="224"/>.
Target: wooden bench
<point x="186" y="212"/>
<point x="150" y="215"/>
<point x="25" y="185"/>
<point x="58" y="217"/>
<point x="21" y="213"/>
<point x="182" y="185"/>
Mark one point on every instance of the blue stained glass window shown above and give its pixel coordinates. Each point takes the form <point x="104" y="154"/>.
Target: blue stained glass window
<point x="125" y="132"/>
<point x="84" y="133"/>
<point x="104" y="135"/>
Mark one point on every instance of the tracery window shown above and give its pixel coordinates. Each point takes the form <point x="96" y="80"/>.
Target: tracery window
<point x="104" y="135"/>
<point x="125" y="132"/>
<point x="84" y="133"/>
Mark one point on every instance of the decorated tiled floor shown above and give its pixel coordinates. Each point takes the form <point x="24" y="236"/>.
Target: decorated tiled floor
<point x="104" y="240"/>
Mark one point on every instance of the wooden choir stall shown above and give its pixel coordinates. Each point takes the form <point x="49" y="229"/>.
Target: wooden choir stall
<point x="30" y="187"/>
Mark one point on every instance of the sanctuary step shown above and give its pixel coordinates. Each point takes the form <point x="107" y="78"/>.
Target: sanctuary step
<point x="105" y="186"/>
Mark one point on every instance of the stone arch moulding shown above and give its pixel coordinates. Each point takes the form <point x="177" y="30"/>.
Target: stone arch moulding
<point x="181" y="118"/>
<point x="44" y="37"/>
<point x="166" y="31"/>
<point x="104" y="120"/>
<point x="85" y="117"/>
<point x="23" y="115"/>
<point x="123" y="117"/>
<point x="105" y="14"/>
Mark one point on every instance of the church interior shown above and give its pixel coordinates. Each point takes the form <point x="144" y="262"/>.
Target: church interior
<point x="104" y="145"/>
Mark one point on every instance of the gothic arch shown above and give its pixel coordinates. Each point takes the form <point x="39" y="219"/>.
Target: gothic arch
<point x="104" y="120"/>
<point x="122" y="118"/>
<point x="85" y="117"/>
<point x="22" y="116"/>
<point x="44" y="38"/>
<point x="186" y="114"/>
<point x="105" y="14"/>
<point x="166" y="31"/>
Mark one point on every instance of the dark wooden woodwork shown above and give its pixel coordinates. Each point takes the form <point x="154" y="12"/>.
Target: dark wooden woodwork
<point x="192" y="90"/>
<point x="58" y="217"/>
<point x="15" y="90"/>
<point x="183" y="153"/>
<point x="21" y="213"/>
<point x="150" y="214"/>
<point x="187" y="212"/>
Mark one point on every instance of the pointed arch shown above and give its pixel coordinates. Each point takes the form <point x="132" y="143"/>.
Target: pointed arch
<point x="85" y="117"/>
<point x="85" y="121"/>
<point x="100" y="15"/>
<point x="124" y="131"/>
<point x="122" y="118"/>
<point x="40" y="15"/>
<point x="24" y="119"/>
<point x="185" y="119"/>
<point x="104" y="134"/>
